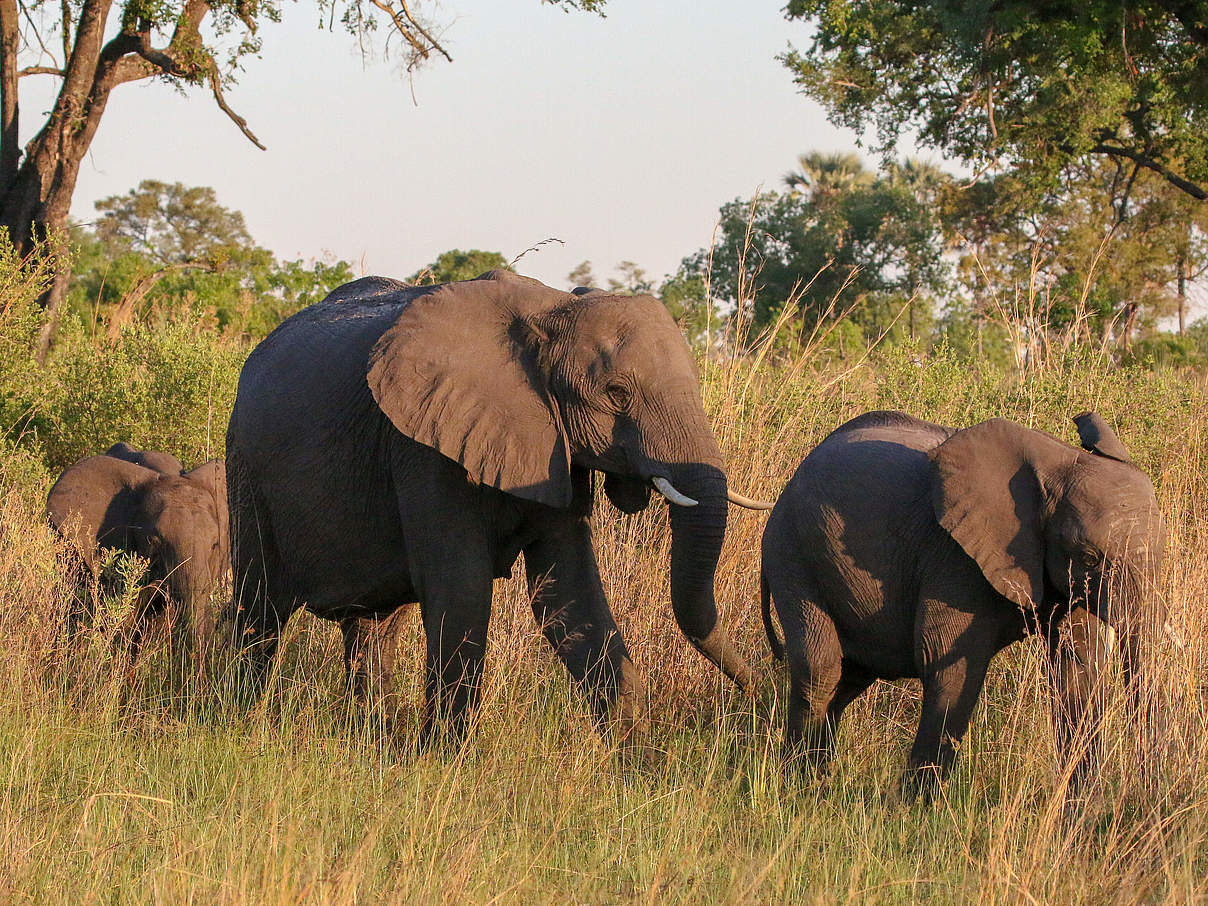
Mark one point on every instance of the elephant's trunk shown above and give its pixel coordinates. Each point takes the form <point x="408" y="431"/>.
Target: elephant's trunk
<point x="191" y="582"/>
<point x="1147" y="701"/>
<point x="697" y="533"/>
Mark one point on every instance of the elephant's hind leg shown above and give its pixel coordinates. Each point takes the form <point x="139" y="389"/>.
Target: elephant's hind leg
<point x="261" y="605"/>
<point x="817" y="691"/>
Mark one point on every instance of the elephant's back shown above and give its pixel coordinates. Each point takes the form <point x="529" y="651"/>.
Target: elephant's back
<point x="314" y="358"/>
<point x="878" y="456"/>
<point x="305" y="445"/>
<point x="854" y="516"/>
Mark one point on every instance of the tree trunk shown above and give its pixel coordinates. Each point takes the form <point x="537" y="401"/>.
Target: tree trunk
<point x="52" y="302"/>
<point x="35" y="196"/>
<point x="1181" y="293"/>
<point x="1130" y="324"/>
<point x="35" y="209"/>
<point x="10" y="43"/>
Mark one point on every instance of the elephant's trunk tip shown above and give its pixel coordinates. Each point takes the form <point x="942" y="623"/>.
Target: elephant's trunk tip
<point x="718" y="648"/>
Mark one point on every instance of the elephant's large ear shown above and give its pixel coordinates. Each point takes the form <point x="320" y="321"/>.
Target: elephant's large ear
<point x="1097" y="437"/>
<point x="459" y="372"/>
<point x="97" y="501"/>
<point x="988" y="496"/>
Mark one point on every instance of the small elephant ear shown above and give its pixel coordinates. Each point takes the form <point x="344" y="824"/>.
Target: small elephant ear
<point x="987" y="495"/>
<point x="1097" y="437"/>
<point x="458" y="371"/>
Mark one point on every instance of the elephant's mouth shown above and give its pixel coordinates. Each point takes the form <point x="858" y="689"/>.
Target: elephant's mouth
<point x="630" y="494"/>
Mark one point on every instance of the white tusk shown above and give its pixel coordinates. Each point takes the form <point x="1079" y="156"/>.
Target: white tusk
<point x="740" y="500"/>
<point x="667" y="489"/>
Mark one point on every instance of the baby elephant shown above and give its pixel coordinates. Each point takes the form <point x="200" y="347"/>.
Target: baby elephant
<point x="143" y="502"/>
<point x="905" y="549"/>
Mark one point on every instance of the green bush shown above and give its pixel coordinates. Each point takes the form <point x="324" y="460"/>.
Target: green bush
<point x="22" y="281"/>
<point x="169" y="388"/>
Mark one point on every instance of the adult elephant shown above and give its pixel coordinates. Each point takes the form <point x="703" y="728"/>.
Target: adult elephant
<point x="176" y="519"/>
<point x="901" y="548"/>
<point x="394" y="443"/>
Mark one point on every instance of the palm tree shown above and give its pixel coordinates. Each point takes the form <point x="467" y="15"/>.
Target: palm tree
<point x="924" y="179"/>
<point x="822" y="175"/>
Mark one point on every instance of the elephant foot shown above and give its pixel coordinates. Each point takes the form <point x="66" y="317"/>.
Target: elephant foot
<point x="922" y="783"/>
<point x="447" y="734"/>
<point x="628" y="719"/>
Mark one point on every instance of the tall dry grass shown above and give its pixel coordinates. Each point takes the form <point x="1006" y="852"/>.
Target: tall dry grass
<point x="121" y="788"/>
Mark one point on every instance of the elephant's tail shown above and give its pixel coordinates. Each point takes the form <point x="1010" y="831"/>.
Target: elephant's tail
<point x="765" y="603"/>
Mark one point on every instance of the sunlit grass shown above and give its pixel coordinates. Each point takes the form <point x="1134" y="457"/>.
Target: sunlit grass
<point x="125" y="787"/>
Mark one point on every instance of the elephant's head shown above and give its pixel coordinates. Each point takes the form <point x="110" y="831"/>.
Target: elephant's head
<point x="183" y="529"/>
<point x="1072" y="536"/>
<point x="521" y="384"/>
<point x="152" y="459"/>
<point x="178" y="522"/>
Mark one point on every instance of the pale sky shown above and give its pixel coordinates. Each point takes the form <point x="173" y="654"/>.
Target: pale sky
<point x="621" y="136"/>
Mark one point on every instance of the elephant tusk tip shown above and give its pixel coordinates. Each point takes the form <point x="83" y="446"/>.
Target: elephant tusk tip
<point x="746" y="502"/>
<point x="667" y="489"/>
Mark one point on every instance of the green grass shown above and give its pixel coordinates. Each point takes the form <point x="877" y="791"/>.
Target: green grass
<point x="118" y="788"/>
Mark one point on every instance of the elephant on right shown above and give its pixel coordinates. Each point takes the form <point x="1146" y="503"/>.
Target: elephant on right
<point x="901" y="548"/>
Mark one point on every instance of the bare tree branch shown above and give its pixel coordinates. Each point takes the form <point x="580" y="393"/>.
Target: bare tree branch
<point x="1195" y="191"/>
<point x="185" y="57"/>
<point x="41" y="70"/>
<point x="139" y="291"/>
<point x="65" y="9"/>
<point x="413" y="32"/>
<point x="216" y="87"/>
<point x="33" y="27"/>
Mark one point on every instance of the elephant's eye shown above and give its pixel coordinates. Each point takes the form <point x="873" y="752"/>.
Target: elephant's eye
<point x="618" y="394"/>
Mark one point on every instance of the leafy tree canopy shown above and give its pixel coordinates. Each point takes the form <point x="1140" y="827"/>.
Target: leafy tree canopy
<point x="165" y="248"/>
<point x="171" y="223"/>
<point x="841" y="236"/>
<point x="1031" y="85"/>
<point x="458" y="265"/>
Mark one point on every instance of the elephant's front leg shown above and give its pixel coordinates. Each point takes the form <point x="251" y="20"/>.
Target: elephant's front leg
<point x="954" y="646"/>
<point x="569" y="604"/>
<point x="455" y="606"/>
<point x="1077" y="649"/>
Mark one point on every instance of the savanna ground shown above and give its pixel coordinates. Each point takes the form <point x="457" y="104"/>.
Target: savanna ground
<point x="134" y="789"/>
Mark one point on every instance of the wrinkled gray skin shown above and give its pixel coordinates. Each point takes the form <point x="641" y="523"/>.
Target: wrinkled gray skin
<point x="394" y="444"/>
<point x="904" y="549"/>
<point x="176" y="519"/>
